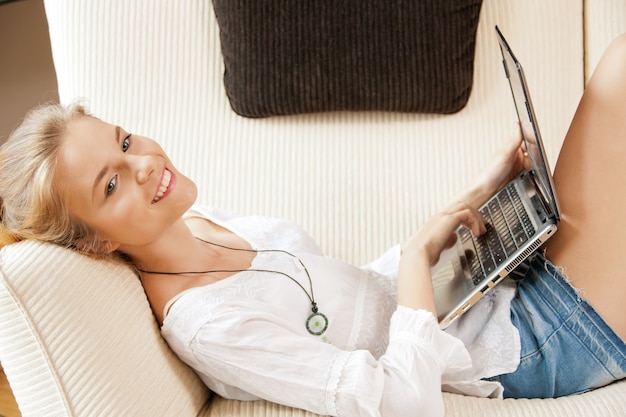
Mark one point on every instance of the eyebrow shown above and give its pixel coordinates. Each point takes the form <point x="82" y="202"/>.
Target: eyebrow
<point x="105" y="168"/>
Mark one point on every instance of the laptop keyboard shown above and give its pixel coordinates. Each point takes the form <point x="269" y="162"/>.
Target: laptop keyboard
<point x="508" y="227"/>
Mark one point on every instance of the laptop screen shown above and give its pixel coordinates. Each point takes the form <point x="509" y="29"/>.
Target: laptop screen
<point x="530" y="130"/>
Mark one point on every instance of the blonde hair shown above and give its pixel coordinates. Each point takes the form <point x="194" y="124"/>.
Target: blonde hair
<point x="31" y="206"/>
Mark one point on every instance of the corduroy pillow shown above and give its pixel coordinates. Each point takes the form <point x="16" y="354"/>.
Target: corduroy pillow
<point x="302" y="56"/>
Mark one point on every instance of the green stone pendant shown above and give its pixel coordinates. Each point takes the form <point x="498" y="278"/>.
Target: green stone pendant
<point x="316" y="324"/>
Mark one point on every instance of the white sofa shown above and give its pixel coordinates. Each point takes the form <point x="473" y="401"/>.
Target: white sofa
<point x="77" y="337"/>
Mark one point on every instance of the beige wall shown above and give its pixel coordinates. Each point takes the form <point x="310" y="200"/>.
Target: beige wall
<point x="27" y="76"/>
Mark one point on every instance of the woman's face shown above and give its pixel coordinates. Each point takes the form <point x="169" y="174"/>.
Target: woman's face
<point x="124" y="186"/>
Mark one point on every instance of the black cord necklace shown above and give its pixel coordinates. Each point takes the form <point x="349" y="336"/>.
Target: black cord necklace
<point x="316" y="323"/>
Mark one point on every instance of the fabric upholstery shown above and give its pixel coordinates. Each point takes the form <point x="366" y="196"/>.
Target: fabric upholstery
<point x="302" y="56"/>
<point x="358" y="195"/>
<point x="83" y="335"/>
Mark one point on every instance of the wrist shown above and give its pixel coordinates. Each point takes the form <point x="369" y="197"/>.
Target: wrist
<point x="476" y="195"/>
<point x="414" y="280"/>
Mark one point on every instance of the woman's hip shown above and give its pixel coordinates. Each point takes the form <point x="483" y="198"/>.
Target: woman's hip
<point x="566" y="346"/>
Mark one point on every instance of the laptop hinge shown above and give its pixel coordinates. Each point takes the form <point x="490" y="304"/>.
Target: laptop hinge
<point x="544" y="201"/>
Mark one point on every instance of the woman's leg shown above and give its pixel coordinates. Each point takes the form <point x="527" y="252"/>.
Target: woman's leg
<point x="590" y="180"/>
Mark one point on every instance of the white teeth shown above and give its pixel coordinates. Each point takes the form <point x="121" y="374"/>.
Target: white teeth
<point x="165" y="182"/>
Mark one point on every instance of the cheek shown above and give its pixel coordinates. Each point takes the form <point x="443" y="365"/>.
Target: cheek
<point x="126" y="222"/>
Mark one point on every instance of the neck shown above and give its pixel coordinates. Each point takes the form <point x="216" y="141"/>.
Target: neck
<point x="176" y="249"/>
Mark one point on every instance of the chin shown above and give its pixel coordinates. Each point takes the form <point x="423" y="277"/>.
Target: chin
<point x="188" y="192"/>
<point x="193" y="192"/>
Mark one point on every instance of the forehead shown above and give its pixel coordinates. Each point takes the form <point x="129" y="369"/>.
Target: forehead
<point x="87" y="129"/>
<point x="84" y="150"/>
<point x="82" y="143"/>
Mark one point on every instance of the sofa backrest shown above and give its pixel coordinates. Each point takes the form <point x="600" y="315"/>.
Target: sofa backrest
<point x="359" y="182"/>
<point x="80" y="338"/>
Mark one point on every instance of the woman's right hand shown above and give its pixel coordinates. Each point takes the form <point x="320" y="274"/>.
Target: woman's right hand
<point x="423" y="249"/>
<point x="438" y="233"/>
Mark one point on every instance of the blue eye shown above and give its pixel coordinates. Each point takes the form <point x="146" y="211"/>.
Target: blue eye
<point x="111" y="186"/>
<point x="126" y="143"/>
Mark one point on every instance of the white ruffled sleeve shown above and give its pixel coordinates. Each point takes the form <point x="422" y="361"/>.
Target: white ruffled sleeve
<point x="419" y="352"/>
<point x="250" y="356"/>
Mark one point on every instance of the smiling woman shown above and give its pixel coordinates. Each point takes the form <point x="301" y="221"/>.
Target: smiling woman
<point x="129" y="191"/>
<point x="222" y="288"/>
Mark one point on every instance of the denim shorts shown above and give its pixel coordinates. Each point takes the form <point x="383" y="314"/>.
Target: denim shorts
<point x="566" y="347"/>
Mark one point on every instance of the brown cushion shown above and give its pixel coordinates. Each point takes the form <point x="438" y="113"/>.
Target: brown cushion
<point x="301" y="56"/>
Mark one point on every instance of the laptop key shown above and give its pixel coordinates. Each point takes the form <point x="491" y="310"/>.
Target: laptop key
<point x="484" y="254"/>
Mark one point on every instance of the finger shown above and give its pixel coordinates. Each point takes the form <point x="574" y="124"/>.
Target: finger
<point x="465" y="215"/>
<point x="451" y="241"/>
<point x="474" y="221"/>
<point x="517" y="138"/>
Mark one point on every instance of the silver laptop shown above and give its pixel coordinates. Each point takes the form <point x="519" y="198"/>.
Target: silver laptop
<point x="520" y="217"/>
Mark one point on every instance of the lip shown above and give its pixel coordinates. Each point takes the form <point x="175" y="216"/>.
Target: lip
<point x="169" y="189"/>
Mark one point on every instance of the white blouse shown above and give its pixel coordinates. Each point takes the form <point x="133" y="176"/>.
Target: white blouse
<point x="246" y="338"/>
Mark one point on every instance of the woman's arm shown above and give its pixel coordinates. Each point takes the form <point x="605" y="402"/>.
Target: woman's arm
<point x="248" y="354"/>
<point x="507" y="162"/>
<point x="422" y="251"/>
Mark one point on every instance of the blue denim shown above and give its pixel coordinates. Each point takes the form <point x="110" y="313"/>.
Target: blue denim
<point x="567" y="348"/>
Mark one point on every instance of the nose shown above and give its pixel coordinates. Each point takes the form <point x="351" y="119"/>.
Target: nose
<point x="145" y="166"/>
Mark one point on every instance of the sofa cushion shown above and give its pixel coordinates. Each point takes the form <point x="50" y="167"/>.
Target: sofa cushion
<point x="78" y="338"/>
<point x="301" y="56"/>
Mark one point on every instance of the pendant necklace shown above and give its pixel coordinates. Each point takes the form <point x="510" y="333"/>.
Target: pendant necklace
<point x="316" y="323"/>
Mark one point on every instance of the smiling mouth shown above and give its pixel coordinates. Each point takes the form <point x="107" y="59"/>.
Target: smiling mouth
<point x="163" y="190"/>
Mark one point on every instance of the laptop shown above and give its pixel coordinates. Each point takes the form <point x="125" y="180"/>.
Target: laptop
<point x="521" y="217"/>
